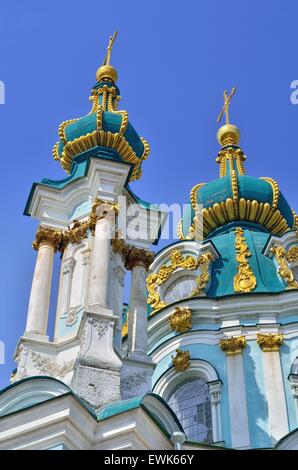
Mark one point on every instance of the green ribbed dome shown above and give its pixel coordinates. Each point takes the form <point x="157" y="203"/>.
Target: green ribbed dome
<point x="237" y="199"/>
<point x="104" y="127"/>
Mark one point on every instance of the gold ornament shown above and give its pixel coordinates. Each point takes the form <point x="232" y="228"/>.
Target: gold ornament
<point x="203" y="263"/>
<point x="244" y="280"/>
<point x="137" y="256"/>
<point x="76" y="232"/>
<point x="101" y="209"/>
<point x="253" y="211"/>
<point x="181" y="361"/>
<point x="178" y="261"/>
<point x="269" y="342"/>
<point x="181" y="320"/>
<point x="153" y="296"/>
<point x="284" y="257"/>
<point x="233" y="345"/>
<point x="275" y="190"/>
<point x="125" y="328"/>
<point x="49" y="236"/>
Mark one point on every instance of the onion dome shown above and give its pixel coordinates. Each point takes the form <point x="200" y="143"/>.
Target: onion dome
<point x="105" y="131"/>
<point x="234" y="198"/>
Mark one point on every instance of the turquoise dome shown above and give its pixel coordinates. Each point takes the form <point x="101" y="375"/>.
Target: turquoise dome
<point x="237" y="199"/>
<point x="104" y="127"/>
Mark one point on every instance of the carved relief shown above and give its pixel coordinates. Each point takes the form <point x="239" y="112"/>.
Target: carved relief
<point x="177" y="260"/>
<point x="269" y="342"/>
<point x="283" y="257"/>
<point x="244" y="280"/>
<point x="47" y="367"/>
<point x="132" y="382"/>
<point x="233" y="345"/>
<point x="181" y="361"/>
<point x="48" y="235"/>
<point x="181" y="320"/>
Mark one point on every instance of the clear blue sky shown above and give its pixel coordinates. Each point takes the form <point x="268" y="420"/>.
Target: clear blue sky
<point x="174" y="60"/>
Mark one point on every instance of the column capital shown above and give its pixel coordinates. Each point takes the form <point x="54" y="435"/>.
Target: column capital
<point x="233" y="345"/>
<point x="269" y="342"/>
<point x="47" y="236"/>
<point x="102" y="209"/>
<point x="134" y="256"/>
<point x="75" y="232"/>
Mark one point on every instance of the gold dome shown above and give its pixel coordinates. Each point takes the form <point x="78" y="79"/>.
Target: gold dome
<point x="228" y="135"/>
<point x="106" y="72"/>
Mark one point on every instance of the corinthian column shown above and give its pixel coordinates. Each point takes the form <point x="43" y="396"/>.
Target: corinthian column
<point x="274" y="384"/>
<point x="138" y="261"/>
<point x="102" y="223"/>
<point x="46" y="243"/>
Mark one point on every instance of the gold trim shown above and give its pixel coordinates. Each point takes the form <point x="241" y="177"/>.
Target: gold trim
<point x="203" y="278"/>
<point x="124" y="330"/>
<point x="275" y="190"/>
<point x="283" y="257"/>
<point x="181" y="320"/>
<point x="154" y="280"/>
<point x="181" y="361"/>
<point x="233" y="345"/>
<point x="244" y="280"/>
<point x="269" y="342"/>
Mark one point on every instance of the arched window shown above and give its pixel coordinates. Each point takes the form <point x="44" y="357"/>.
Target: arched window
<point x="195" y="397"/>
<point x="191" y="402"/>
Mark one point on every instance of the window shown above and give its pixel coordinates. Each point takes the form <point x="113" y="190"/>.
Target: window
<point x="192" y="405"/>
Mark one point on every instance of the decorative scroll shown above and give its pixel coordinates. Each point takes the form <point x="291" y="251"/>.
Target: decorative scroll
<point x="284" y="257"/>
<point x="244" y="280"/>
<point x="178" y="261"/>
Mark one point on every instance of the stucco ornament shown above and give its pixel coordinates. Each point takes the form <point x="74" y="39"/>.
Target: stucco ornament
<point x="181" y="361"/>
<point x="269" y="342"/>
<point x="181" y="320"/>
<point x="283" y="257"/>
<point x="244" y="280"/>
<point x="233" y="345"/>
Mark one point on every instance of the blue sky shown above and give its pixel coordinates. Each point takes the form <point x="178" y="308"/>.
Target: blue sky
<point x="174" y="60"/>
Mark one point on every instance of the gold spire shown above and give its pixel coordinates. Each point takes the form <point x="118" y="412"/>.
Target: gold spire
<point x="228" y="134"/>
<point x="106" y="71"/>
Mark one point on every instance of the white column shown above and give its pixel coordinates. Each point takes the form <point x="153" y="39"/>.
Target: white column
<point x="237" y="402"/>
<point x="138" y="260"/>
<point x="293" y="378"/>
<point x="97" y="290"/>
<point x="46" y="244"/>
<point x="215" y="394"/>
<point x="275" y="395"/>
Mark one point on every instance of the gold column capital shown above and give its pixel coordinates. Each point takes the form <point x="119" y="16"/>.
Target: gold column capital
<point x="269" y="342"/>
<point x="181" y="361"/>
<point x="134" y="256"/>
<point x="48" y="236"/>
<point x="181" y="320"/>
<point x="101" y="209"/>
<point x="233" y="345"/>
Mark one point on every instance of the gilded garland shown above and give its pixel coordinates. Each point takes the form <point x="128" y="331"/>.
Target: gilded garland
<point x="283" y="258"/>
<point x="188" y="262"/>
<point x="244" y="280"/>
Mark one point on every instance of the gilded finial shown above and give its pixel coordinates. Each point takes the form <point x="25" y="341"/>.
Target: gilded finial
<point x="107" y="72"/>
<point x="228" y="134"/>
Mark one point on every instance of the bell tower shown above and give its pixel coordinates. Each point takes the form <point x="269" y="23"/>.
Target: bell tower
<point x="83" y="218"/>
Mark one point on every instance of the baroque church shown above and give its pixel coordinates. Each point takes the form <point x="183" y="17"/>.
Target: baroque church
<point x="204" y="355"/>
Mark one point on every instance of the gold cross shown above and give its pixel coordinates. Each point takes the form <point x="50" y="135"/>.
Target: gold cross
<point x="225" y="108"/>
<point x="109" y="48"/>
